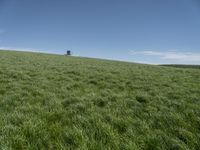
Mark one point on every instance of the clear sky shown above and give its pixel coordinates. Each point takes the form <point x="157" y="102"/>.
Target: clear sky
<point x="148" y="31"/>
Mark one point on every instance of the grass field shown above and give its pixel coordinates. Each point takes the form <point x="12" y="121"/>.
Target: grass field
<point x="59" y="102"/>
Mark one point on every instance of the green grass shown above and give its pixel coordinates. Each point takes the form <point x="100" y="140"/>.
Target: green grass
<point x="58" y="102"/>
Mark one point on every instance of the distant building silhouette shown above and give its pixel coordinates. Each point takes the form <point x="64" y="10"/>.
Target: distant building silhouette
<point x="68" y="53"/>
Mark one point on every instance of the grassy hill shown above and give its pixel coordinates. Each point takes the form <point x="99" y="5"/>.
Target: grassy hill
<point x="58" y="102"/>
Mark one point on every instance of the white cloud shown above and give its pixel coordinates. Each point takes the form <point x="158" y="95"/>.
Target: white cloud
<point x="145" y="62"/>
<point x="150" y="53"/>
<point x="175" y="56"/>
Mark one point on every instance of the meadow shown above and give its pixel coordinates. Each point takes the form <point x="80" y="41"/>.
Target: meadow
<point x="63" y="102"/>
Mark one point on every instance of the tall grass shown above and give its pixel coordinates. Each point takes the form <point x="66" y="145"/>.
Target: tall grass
<point x="59" y="102"/>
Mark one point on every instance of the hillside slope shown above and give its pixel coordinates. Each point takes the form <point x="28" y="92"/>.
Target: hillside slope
<point x="59" y="102"/>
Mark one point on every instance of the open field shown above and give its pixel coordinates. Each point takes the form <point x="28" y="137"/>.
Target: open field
<point x="58" y="102"/>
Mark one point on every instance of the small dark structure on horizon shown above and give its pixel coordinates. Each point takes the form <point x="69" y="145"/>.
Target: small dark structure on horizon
<point x="68" y="53"/>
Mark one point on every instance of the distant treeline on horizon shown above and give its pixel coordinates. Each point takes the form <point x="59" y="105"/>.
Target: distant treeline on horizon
<point x="183" y="66"/>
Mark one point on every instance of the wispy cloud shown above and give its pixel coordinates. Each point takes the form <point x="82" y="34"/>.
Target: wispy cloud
<point x="175" y="56"/>
<point x="145" y="62"/>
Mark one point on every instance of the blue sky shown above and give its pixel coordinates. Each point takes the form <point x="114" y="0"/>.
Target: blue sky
<point x="146" y="31"/>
